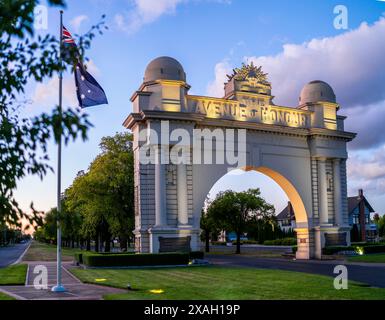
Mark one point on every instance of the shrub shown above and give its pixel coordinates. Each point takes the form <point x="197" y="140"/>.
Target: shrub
<point x="218" y="243"/>
<point x="78" y="256"/>
<point x="374" y="249"/>
<point x="361" y="249"/>
<point x="361" y="244"/>
<point x="142" y="259"/>
<point x="336" y="249"/>
<point x="294" y="249"/>
<point x="107" y="253"/>
<point x="281" y="242"/>
<point x="197" y="255"/>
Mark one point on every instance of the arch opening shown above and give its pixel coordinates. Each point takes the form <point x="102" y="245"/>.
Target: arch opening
<point x="282" y="188"/>
<point x="275" y="182"/>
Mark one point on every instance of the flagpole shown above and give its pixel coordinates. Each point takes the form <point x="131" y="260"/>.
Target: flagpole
<point x="59" y="286"/>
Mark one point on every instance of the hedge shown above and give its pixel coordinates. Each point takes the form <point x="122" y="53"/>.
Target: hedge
<point x="363" y="249"/>
<point x="336" y="249"/>
<point x="142" y="259"/>
<point x="374" y="249"/>
<point x="196" y="255"/>
<point x="107" y="253"/>
<point x="281" y="242"/>
<point x="78" y="256"/>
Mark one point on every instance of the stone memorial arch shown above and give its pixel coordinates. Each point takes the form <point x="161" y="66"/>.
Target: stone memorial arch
<point x="301" y="148"/>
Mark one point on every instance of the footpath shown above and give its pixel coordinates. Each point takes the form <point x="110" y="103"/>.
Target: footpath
<point x="76" y="290"/>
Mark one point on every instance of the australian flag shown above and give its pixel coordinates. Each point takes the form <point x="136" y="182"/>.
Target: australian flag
<point x="88" y="90"/>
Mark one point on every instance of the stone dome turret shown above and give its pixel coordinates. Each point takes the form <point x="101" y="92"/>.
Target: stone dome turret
<point x="164" y="68"/>
<point x="316" y="91"/>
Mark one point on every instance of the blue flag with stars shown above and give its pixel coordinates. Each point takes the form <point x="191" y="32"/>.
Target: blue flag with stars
<point x="88" y="90"/>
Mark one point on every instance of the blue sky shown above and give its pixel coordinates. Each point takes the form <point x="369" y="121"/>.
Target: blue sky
<point x="209" y="37"/>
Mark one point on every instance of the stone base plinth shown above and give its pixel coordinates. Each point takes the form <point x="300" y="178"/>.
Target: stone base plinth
<point x="155" y="233"/>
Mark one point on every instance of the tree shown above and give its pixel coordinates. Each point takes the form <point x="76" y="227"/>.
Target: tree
<point x="104" y="195"/>
<point x="380" y="222"/>
<point x="209" y="228"/>
<point x="46" y="231"/>
<point x="23" y="141"/>
<point x="236" y="210"/>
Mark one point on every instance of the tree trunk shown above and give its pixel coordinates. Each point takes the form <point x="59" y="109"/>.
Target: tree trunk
<point x="88" y="244"/>
<point x="107" y="247"/>
<point x="207" y="240"/>
<point x="238" y="243"/>
<point x="97" y="242"/>
<point x="123" y="243"/>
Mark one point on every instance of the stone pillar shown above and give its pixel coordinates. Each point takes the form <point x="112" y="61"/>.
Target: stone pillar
<point x="160" y="190"/>
<point x="305" y="244"/>
<point x="339" y="221"/>
<point x="322" y="192"/>
<point x="182" y="194"/>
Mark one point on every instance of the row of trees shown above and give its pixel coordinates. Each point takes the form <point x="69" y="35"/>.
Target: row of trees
<point x="99" y="205"/>
<point x="11" y="235"/>
<point x="240" y="212"/>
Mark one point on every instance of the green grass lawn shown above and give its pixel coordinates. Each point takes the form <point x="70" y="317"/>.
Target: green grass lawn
<point x="47" y="252"/>
<point x="3" y="296"/>
<point x="13" y="275"/>
<point x="223" y="283"/>
<point x="373" y="258"/>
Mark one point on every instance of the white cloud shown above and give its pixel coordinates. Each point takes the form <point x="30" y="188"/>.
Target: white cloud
<point x="147" y="11"/>
<point x="367" y="171"/>
<point x="368" y="165"/>
<point x="368" y="122"/>
<point x="46" y="94"/>
<point x="352" y="63"/>
<point x="216" y="87"/>
<point x="92" y="68"/>
<point x="77" y="21"/>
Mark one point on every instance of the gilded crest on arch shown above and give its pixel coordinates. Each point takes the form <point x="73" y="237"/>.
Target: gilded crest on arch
<point x="249" y="72"/>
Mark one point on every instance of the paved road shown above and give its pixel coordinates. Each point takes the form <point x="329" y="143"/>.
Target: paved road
<point x="10" y="254"/>
<point x="371" y="275"/>
<point x="251" y="248"/>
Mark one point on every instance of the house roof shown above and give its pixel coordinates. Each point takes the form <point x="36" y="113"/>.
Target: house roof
<point x="353" y="202"/>
<point x="284" y="214"/>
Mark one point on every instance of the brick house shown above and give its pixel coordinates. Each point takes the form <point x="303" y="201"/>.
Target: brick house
<point x="359" y="210"/>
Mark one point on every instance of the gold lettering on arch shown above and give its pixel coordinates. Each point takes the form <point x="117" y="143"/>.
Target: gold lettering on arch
<point x="249" y="110"/>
